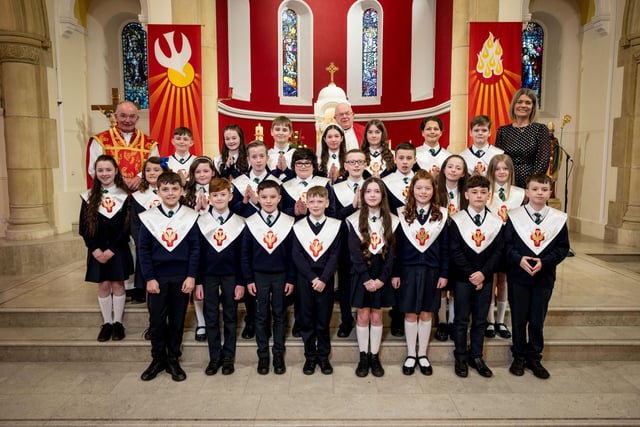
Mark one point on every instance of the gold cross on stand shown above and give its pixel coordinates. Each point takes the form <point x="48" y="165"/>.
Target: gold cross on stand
<point x="109" y="110"/>
<point x="332" y="70"/>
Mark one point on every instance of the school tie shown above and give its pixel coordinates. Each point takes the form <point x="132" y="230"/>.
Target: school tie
<point x="182" y="160"/>
<point x="479" y="153"/>
<point x="155" y="191"/>
<point x="280" y="152"/>
<point x="538" y="218"/>
<point x="334" y="156"/>
<point x="355" y="187"/>
<point x="318" y="224"/>
<point x="269" y="220"/>
<point x="501" y="194"/>
<point x="433" y="151"/>
<point x="477" y="220"/>
<point x="305" y="183"/>
<point x="406" y="180"/>
<point x="256" y="180"/>
<point x="221" y="219"/>
<point x="375" y="153"/>
<point x="451" y="196"/>
<point x="170" y="214"/>
<point x="421" y="212"/>
<point x="105" y="191"/>
<point x="373" y="218"/>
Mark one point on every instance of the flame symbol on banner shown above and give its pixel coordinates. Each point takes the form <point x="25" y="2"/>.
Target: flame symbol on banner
<point x="490" y="58"/>
<point x="179" y="70"/>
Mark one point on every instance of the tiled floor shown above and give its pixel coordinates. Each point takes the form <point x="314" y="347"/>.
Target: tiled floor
<point x="588" y="393"/>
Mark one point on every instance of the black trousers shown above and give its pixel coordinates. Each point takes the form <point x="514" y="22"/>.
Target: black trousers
<point x="529" y="307"/>
<point x="166" y="318"/>
<point x="270" y="298"/>
<point x="315" y="309"/>
<point x="344" y="288"/>
<point x="474" y="303"/>
<point x="220" y="290"/>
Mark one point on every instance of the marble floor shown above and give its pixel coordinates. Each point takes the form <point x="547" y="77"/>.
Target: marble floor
<point x="82" y="393"/>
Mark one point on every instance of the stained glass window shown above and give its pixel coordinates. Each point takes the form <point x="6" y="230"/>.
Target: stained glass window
<point x="289" y="53"/>
<point x="532" y="47"/>
<point x="134" y="64"/>
<point x="370" y="53"/>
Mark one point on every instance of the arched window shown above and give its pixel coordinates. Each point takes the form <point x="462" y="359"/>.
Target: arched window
<point x="134" y="64"/>
<point x="370" y="53"/>
<point x="532" y="49"/>
<point x="289" y="53"/>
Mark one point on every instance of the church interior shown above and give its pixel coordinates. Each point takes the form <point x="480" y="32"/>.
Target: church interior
<point x="62" y="64"/>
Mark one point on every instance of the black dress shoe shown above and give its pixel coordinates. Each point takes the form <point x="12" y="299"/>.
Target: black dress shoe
<point x="173" y="368"/>
<point x="105" y="332"/>
<point x="425" y="365"/>
<point x="376" y="367"/>
<point x="461" y="368"/>
<point x="344" y="330"/>
<point x="295" y="331"/>
<point x="201" y="333"/>
<point x="212" y="367"/>
<point x="309" y="366"/>
<point x="278" y="364"/>
<point x="397" y="331"/>
<point x="503" y="331"/>
<point x="227" y="366"/>
<point x="538" y="370"/>
<point x="325" y="366"/>
<point x="249" y="331"/>
<point x="118" y="332"/>
<point x="409" y="365"/>
<point x="263" y="365"/>
<point x="479" y="365"/>
<point x="153" y="370"/>
<point x="517" y="367"/>
<point x="490" y="332"/>
<point x="441" y="333"/>
<point x="362" y="370"/>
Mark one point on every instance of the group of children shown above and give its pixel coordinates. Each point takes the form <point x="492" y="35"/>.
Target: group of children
<point x="407" y="229"/>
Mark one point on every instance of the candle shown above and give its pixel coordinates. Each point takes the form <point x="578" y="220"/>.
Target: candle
<point x="259" y="132"/>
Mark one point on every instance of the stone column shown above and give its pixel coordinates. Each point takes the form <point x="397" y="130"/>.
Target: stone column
<point x="29" y="134"/>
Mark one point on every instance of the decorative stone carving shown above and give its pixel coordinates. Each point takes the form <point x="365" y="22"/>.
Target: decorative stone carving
<point x="18" y="52"/>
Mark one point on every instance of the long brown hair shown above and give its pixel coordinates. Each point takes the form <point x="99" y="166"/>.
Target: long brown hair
<point x="385" y="151"/>
<point x="410" y="210"/>
<point x="95" y="194"/>
<point x="491" y="174"/>
<point x="442" y="182"/>
<point x="323" y="168"/>
<point x="144" y="184"/>
<point x="241" y="162"/>
<point x="190" y="188"/>
<point x="385" y="217"/>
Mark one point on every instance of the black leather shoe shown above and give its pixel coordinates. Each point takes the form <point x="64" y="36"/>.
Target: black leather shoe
<point x="325" y="366"/>
<point x="397" y="331"/>
<point x="344" y="330"/>
<point x="309" y="366"/>
<point x="461" y="368"/>
<point x="441" y="333"/>
<point x="503" y="331"/>
<point x="295" y="331"/>
<point x="376" y="367"/>
<point x="201" y="333"/>
<point x="425" y="365"/>
<point x="538" y="370"/>
<point x="105" y="332"/>
<point x="263" y="365"/>
<point x="362" y="370"/>
<point x="227" y="366"/>
<point x="153" y="370"/>
<point x="409" y="365"/>
<point x="212" y="367"/>
<point x="490" y="332"/>
<point x="278" y="364"/>
<point x="248" y="332"/>
<point x="173" y="368"/>
<point x="479" y="365"/>
<point x="517" y="367"/>
<point x="118" y="332"/>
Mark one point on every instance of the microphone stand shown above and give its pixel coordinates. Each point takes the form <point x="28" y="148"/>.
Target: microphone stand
<point x="567" y="170"/>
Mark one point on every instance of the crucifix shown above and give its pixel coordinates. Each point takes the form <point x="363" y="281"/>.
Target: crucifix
<point x="109" y="110"/>
<point x="332" y="70"/>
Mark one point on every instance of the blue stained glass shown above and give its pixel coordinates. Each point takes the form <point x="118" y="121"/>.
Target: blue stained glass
<point x="289" y="53"/>
<point x="532" y="47"/>
<point x="370" y="53"/>
<point x="134" y="64"/>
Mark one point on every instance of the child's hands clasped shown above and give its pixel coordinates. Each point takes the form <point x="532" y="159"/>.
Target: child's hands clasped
<point x="530" y="264"/>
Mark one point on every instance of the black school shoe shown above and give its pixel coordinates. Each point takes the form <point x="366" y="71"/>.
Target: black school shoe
<point x="309" y="367"/>
<point x="362" y="370"/>
<point x="249" y="331"/>
<point x="227" y="366"/>
<point x="376" y="367"/>
<point x="279" y="367"/>
<point x="263" y="365"/>
<point x="325" y="366"/>
<point x="538" y="370"/>
<point x="118" y="332"/>
<point x="173" y="368"/>
<point x="442" y="334"/>
<point x="212" y="367"/>
<point x="461" y="368"/>
<point x="106" y="331"/>
<point x="153" y="370"/>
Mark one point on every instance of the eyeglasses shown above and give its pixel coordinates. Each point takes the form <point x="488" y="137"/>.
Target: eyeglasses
<point x="127" y="116"/>
<point x="355" y="162"/>
<point x="303" y="164"/>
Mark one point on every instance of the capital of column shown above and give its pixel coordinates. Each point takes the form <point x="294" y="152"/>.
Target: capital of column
<point x="17" y="47"/>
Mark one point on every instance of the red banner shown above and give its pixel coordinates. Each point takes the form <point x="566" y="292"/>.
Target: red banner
<point x="175" y="84"/>
<point x="495" y="53"/>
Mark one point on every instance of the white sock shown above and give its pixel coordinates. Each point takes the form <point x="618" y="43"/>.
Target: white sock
<point x="376" y="338"/>
<point x="424" y="330"/>
<point x="442" y="312"/>
<point x="502" y="308"/>
<point x="199" y="309"/>
<point x="411" y="335"/>
<point x="106" y="305"/>
<point x="118" y="307"/>
<point x="362" y="333"/>
<point x="490" y="316"/>
<point x="452" y="313"/>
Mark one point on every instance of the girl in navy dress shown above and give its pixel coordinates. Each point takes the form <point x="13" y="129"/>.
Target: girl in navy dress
<point x="104" y="226"/>
<point x="332" y="153"/>
<point x="232" y="161"/>
<point x="422" y="266"/>
<point x="375" y="146"/>
<point x="372" y="246"/>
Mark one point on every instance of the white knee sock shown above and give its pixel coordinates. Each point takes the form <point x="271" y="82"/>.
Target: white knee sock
<point x="491" y="318"/>
<point x="452" y="313"/>
<point x="442" y="312"/>
<point x="411" y="335"/>
<point x="106" y="305"/>
<point x="118" y="307"/>
<point x="376" y="338"/>
<point x="199" y="309"/>
<point x="424" y="330"/>
<point x="502" y="308"/>
<point x="362" y="333"/>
